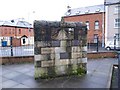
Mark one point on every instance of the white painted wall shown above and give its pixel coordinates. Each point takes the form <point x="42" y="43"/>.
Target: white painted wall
<point x="110" y="30"/>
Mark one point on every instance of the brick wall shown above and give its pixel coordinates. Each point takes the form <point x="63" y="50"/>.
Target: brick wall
<point x="91" y="18"/>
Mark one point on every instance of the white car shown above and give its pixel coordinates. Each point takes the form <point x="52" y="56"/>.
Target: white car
<point x="110" y="45"/>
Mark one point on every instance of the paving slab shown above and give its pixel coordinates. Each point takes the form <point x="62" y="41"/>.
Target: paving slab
<point x="22" y="76"/>
<point x="9" y="84"/>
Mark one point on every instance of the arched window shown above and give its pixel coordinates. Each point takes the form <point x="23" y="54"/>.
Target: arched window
<point x="96" y="25"/>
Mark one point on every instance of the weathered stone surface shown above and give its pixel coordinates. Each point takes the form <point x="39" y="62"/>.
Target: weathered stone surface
<point x="62" y="62"/>
<point x="37" y="57"/>
<point x="47" y="50"/>
<point x="84" y="48"/>
<point x="60" y="48"/>
<point x="76" y="55"/>
<point x="56" y="43"/>
<point x="57" y="56"/>
<point x="42" y="57"/>
<point x="47" y="63"/>
<point x="76" y="49"/>
<point x="61" y="70"/>
<point x="63" y="43"/>
<point x="40" y="72"/>
<point x="37" y="50"/>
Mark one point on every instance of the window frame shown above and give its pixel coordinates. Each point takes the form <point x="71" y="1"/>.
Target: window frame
<point x="88" y="25"/>
<point x="96" y="25"/>
<point x="117" y="9"/>
<point x="117" y="23"/>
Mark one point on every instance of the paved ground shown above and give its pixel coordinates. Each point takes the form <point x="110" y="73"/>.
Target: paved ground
<point x="22" y="76"/>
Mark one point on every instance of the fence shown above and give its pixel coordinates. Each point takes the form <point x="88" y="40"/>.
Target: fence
<point x="24" y="45"/>
<point x="17" y="46"/>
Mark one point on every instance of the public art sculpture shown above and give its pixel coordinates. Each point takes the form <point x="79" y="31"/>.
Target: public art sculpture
<point x="60" y="48"/>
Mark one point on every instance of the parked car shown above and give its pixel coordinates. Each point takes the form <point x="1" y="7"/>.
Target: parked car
<point x="110" y="45"/>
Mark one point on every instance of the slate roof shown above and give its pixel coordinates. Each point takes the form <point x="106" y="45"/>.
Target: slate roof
<point x="110" y="2"/>
<point x="6" y="23"/>
<point x="85" y="10"/>
<point x="16" y="23"/>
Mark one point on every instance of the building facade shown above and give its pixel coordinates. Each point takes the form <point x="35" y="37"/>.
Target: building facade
<point x="16" y="33"/>
<point x="112" y="21"/>
<point x="94" y="17"/>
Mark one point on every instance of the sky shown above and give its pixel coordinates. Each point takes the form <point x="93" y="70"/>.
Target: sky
<point x="31" y="10"/>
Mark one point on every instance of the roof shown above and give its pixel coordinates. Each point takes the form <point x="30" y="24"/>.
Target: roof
<point x="111" y="2"/>
<point x="16" y="23"/>
<point x="85" y="10"/>
<point x="6" y="23"/>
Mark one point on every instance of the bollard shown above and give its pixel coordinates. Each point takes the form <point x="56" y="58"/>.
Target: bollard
<point x="114" y="42"/>
<point x="97" y="43"/>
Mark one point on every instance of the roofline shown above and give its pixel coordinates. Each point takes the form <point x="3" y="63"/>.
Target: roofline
<point x="82" y="14"/>
<point x="16" y="26"/>
<point x="111" y="3"/>
<point x="89" y="6"/>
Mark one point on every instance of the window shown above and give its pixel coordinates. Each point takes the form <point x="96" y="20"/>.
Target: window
<point x="87" y="23"/>
<point x="12" y="31"/>
<point x="9" y="31"/>
<point x="19" y="31"/>
<point x="117" y="9"/>
<point x="95" y="38"/>
<point x="96" y="25"/>
<point x="5" y="31"/>
<point x="117" y="36"/>
<point x="117" y="23"/>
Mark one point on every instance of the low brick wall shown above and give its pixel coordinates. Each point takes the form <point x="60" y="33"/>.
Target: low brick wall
<point x="101" y="55"/>
<point x="23" y="59"/>
<point x="17" y="59"/>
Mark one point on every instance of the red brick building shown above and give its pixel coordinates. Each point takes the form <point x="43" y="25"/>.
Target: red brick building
<point x="93" y="16"/>
<point x="20" y="31"/>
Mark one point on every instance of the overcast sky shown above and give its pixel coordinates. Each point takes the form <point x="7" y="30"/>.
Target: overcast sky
<point x="40" y="9"/>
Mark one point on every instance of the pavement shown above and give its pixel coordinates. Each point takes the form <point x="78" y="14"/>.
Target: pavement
<point x="22" y="76"/>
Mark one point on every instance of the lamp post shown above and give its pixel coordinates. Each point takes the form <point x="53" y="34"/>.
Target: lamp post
<point x="97" y="43"/>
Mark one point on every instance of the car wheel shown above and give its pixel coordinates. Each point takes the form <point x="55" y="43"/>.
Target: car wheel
<point x="108" y="48"/>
